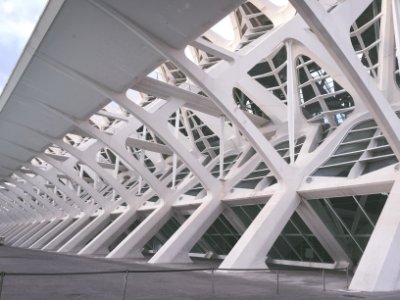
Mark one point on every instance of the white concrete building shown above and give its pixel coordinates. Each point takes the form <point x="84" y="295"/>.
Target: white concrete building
<point x="131" y="128"/>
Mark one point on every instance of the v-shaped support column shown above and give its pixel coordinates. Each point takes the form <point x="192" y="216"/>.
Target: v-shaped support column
<point x="379" y="267"/>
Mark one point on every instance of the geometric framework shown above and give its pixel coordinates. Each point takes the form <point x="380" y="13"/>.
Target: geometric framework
<point x="279" y="146"/>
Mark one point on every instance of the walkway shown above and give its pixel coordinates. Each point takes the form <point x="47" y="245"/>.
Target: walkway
<point x="188" y="285"/>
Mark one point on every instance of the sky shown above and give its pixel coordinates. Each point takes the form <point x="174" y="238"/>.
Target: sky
<point x="17" y="21"/>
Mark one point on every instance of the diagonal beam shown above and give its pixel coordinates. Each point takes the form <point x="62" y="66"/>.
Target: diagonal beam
<point x="166" y="91"/>
<point x="146" y="145"/>
<point x="215" y="50"/>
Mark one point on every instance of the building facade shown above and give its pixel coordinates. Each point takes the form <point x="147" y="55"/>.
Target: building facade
<point x="133" y="129"/>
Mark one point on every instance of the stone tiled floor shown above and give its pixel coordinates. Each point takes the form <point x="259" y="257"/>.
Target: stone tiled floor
<point x="162" y="285"/>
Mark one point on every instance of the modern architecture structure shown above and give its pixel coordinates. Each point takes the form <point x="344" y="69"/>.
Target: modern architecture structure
<point x="132" y="128"/>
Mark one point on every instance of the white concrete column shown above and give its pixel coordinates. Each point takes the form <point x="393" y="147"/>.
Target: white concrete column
<point x="106" y="236"/>
<point x="176" y="249"/>
<point x="29" y="233"/>
<point x="13" y="230"/>
<point x="6" y="227"/>
<point x="92" y="229"/>
<point x="252" y="248"/>
<point x="386" y="53"/>
<point x="21" y="233"/>
<point x="60" y="238"/>
<point x="222" y="147"/>
<point x="291" y="90"/>
<point x="52" y="233"/>
<point x="379" y="267"/>
<point x="133" y="244"/>
<point x="33" y="238"/>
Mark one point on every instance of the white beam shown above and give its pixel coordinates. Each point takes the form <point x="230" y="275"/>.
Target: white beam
<point x="146" y="145"/>
<point x="52" y="233"/>
<point x="379" y="267"/>
<point x="132" y="245"/>
<point x="176" y="249"/>
<point x="77" y="242"/>
<point x="38" y="234"/>
<point x="213" y="49"/>
<point x="65" y="235"/>
<point x="104" y="238"/>
<point x="252" y="248"/>
<point x="29" y="233"/>
<point x="291" y="99"/>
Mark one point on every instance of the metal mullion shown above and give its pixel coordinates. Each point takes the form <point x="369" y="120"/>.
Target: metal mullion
<point x="229" y="232"/>
<point x="343" y="224"/>
<point x="334" y="220"/>
<point x="321" y="76"/>
<point x="365" y="153"/>
<point x="214" y="245"/>
<point x="370" y="46"/>
<point x="363" y="210"/>
<point x="356" y="220"/>
<point x="305" y="238"/>
<point x="204" y="139"/>
<point x="266" y="74"/>
<point x="364" y="48"/>
<point x="370" y="23"/>
<point x="260" y="208"/>
<point x="303" y="63"/>
<point x="203" y="245"/>
<point x="321" y="99"/>
<point x="279" y="253"/>
<point x="162" y="234"/>
<point x="247" y="215"/>
<point x="227" y="227"/>
<point x="291" y="247"/>
<point x="222" y="237"/>
<point x="188" y="127"/>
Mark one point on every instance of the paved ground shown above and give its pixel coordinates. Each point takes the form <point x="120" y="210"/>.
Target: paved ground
<point x="188" y="285"/>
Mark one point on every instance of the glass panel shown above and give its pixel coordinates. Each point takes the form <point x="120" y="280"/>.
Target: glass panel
<point x="365" y="36"/>
<point x="251" y="22"/>
<point x="351" y="219"/>
<point x="322" y="99"/>
<point x="254" y="178"/>
<point x="297" y="242"/>
<point x="124" y="234"/>
<point x="364" y="146"/>
<point x="219" y="238"/>
<point x="166" y="231"/>
<point x="271" y="73"/>
<point x="245" y="104"/>
<point x="247" y="213"/>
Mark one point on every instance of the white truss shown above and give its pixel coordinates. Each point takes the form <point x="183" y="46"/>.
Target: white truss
<point x="127" y="132"/>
